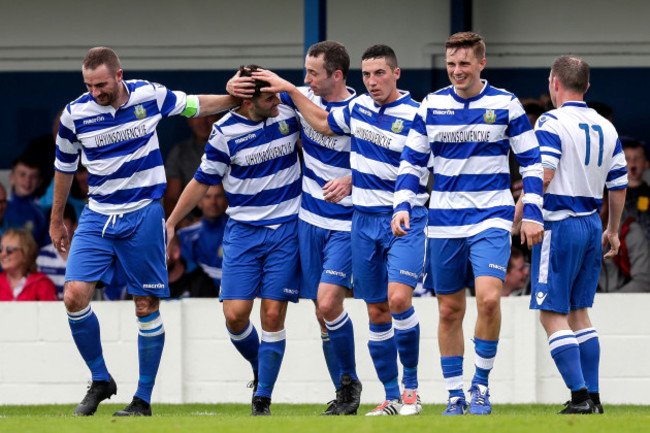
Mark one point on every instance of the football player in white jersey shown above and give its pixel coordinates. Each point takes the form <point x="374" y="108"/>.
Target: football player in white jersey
<point x="581" y="153"/>
<point x="386" y="268"/>
<point x="112" y="129"/>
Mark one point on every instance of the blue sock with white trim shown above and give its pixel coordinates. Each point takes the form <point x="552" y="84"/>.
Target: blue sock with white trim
<point x="485" y="352"/>
<point x="566" y="354"/>
<point x="151" y="340"/>
<point x="341" y="334"/>
<point x="407" y="339"/>
<point x="589" y="345"/>
<point x="452" y="371"/>
<point x="85" y="333"/>
<point x="271" y="353"/>
<point x="247" y="343"/>
<point x="330" y="359"/>
<point x="383" y="351"/>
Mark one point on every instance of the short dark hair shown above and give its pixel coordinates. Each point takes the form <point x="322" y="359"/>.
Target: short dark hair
<point x="28" y="161"/>
<point x="247" y="71"/>
<point x="102" y="56"/>
<point x="335" y="56"/>
<point x="572" y="72"/>
<point x="380" y="51"/>
<point x="634" y="144"/>
<point x="467" y="40"/>
<point x="515" y="253"/>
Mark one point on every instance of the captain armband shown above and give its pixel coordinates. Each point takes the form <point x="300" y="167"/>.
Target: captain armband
<point x="191" y="106"/>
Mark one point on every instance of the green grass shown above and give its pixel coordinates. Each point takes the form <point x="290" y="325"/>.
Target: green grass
<point x="288" y="418"/>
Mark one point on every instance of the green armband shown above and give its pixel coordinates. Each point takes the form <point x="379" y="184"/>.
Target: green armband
<point x="191" y="106"/>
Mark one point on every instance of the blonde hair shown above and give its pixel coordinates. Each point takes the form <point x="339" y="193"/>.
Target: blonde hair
<point x="27" y="245"/>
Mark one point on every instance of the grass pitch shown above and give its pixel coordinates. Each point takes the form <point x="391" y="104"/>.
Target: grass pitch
<point x="290" y="418"/>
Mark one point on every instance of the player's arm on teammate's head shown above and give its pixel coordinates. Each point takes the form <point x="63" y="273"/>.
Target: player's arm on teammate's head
<point x="213" y="104"/>
<point x="313" y="114"/>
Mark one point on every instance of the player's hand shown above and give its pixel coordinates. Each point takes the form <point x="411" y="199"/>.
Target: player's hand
<point x="241" y="87"/>
<point x="60" y="237"/>
<point x="614" y="244"/>
<point x="277" y="84"/>
<point x="400" y="224"/>
<point x="337" y="189"/>
<point x="532" y="233"/>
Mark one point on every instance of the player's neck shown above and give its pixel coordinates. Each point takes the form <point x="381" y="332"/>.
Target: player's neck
<point x="339" y="94"/>
<point x="563" y="97"/>
<point x="122" y="97"/>
<point x="249" y="114"/>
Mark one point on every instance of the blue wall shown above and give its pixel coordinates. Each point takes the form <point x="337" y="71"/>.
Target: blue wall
<point x="33" y="98"/>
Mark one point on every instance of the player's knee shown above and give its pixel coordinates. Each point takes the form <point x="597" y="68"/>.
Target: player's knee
<point x="451" y="314"/>
<point x="399" y="302"/>
<point x="146" y="305"/>
<point x="379" y="313"/>
<point x="489" y="306"/>
<point x="75" y="297"/>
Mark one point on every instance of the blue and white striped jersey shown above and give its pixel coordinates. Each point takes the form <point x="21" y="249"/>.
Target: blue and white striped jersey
<point x="584" y="150"/>
<point x="378" y="136"/>
<point x="258" y="164"/>
<point x="118" y="147"/>
<point x="470" y="140"/>
<point x="50" y="262"/>
<point x="325" y="158"/>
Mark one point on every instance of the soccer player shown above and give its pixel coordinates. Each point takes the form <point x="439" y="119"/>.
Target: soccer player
<point x="581" y="153"/>
<point x="325" y="219"/>
<point x="385" y="268"/>
<point x="252" y="151"/>
<point x="113" y="128"/>
<point x="469" y="128"/>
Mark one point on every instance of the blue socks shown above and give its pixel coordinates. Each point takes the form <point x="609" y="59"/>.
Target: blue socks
<point x="485" y="352"/>
<point x="383" y="351"/>
<point x="247" y="344"/>
<point x="151" y="339"/>
<point x="452" y="371"/>
<point x="270" y="359"/>
<point x="566" y="354"/>
<point x="589" y="345"/>
<point x="341" y="335"/>
<point x="407" y="339"/>
<point x="85" y="333"/>
<point x="330" y="360"/>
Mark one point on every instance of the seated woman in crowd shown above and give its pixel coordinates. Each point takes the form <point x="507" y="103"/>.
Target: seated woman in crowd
<point x="20" y="280"/>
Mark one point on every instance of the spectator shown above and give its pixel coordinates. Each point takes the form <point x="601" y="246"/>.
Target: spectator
<point x="516" y="281"/>
<point x="22" y="209"/>
<point x="42" y="149"/>
<point x="185" y="157"/>
<point x="20" y="281"/>
<point x="637" y="200"/>
<point x="630" y="269"/>
<point x="50" y="261"/>
<point x="201" y="242"/>
<point x="78" y="196"/>
<point x="182" y="284"/>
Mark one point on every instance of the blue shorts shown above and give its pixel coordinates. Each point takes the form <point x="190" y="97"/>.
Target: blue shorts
<point x="260" y="262"/>
<point x="566" y="265"/>
<point x="455" y="262"/>
<point x="137" y="240"/>
<point x="325" y="257"/>
<point x="378" y="256"/>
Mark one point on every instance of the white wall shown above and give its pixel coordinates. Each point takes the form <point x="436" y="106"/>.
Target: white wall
<point x="37" y="35"/>
<point x="39" y="363"/>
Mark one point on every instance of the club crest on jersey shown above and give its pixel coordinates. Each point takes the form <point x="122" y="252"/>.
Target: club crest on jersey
<point x="140" y="112"/>
<point x="284" y="127"/>
<point x="490" y="116"/>
<point x="397" y="126"/>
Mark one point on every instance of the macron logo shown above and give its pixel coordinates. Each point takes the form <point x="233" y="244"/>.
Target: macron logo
<point x="539" y="297"/>
<point x="153" y="286"/>
<point x="364" y="111"/>
<point x="94" y="120"/>
<point x="246" y="138"/>
<point x="336" y="273"/>
<point x="501" y="268"/>
<point x="443" y="112"/>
